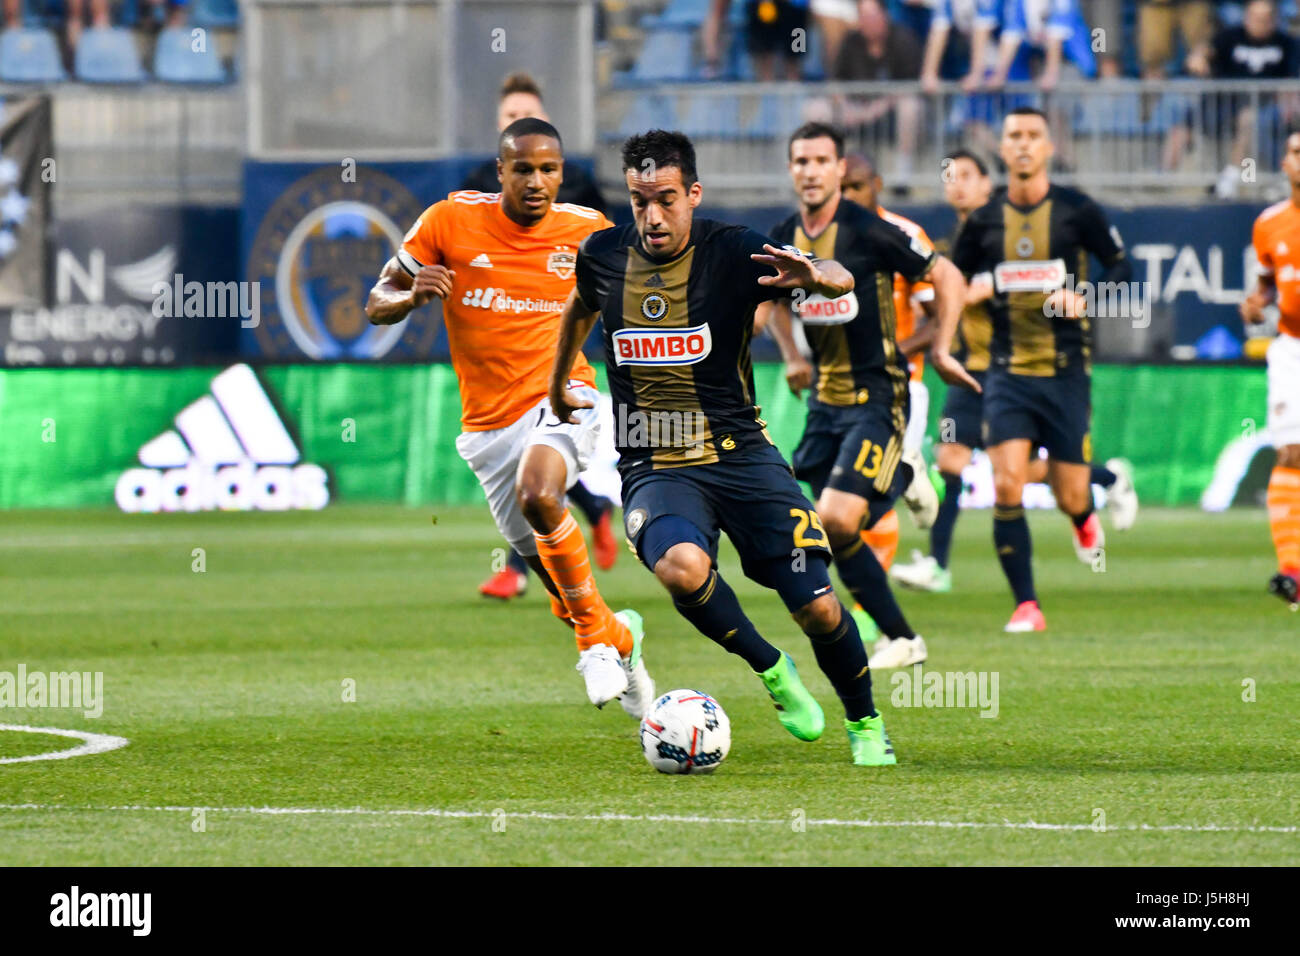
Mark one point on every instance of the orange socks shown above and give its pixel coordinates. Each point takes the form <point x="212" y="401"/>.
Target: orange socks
<point x="882" y="539"/>
<point x="559" y="610"/>
<point x="564" y="555"/>
<point x="1284" y="517"/>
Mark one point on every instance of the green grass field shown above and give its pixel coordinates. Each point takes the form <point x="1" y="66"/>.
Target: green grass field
<point x="470" y="740"/>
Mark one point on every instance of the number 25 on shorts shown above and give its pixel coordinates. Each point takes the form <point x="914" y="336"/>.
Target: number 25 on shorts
<point x="802" y="520"/>
<point x="872" y="451"/>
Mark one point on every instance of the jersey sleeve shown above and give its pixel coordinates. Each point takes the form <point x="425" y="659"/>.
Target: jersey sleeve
<point x="420" y="247"/>
<point x="1262" y="252"/>
<point x="1098" y="236"/>
<point x="585" y="277"/>
<point x="912" y="257"/>
<point x="966" y="248"/>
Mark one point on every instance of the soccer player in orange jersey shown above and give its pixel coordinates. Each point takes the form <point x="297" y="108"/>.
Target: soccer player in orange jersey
<point x="503" y="265"/>
<point x="1277" y="295"/>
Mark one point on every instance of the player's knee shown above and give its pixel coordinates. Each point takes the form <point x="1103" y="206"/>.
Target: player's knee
<point x="1288" y="456"/>
<point x="1074" y="501"/>
<point x="1008" y="488"/>
<point x="841" y="524"/>
<point x="951" y="458"/>
<point x="820" y="616"/>
<point x="541" y="505"/>
<point x="683" y="569"/>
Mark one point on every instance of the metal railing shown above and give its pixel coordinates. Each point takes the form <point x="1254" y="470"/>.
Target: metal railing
<point x="1125" y="140"/>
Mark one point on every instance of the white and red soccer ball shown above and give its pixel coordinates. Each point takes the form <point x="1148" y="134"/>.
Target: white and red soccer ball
<point x="685" y="731"/>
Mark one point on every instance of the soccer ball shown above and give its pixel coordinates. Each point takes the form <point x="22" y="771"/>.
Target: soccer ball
<point x="686" y="731"/>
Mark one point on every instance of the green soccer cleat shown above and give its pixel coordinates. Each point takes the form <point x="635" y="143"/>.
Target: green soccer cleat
<point x="867" y="629"/>
<point x="870" y="742"/>
<point x="640" y="693"/>
<point x="797" y="709"/>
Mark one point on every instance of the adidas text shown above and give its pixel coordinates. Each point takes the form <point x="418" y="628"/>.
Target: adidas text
<point x="228" y="450"/>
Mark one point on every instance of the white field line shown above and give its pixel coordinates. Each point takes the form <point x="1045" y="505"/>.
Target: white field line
<point x="93" y="743"/>
<point x="654" y="818"/>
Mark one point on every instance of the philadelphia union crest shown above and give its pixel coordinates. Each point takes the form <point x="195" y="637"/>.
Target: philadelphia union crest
<point x="317" y="253"/>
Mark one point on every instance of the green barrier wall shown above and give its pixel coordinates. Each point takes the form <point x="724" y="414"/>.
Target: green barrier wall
<point x="1171" y="422"/>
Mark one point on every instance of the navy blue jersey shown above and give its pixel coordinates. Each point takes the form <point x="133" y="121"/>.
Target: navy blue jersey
<point x="677" y="333"/>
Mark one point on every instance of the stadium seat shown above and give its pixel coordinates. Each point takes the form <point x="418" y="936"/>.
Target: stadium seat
<point x="648" y="111"/>
<point x="666" y="57"/>
<point x="680" y="13"/>
<point x="108" y="55"/>
<point x="215" y="13"/>
<point x="712" y="117"/>
<point x="30" y="56"/>
<point x="174" y="59"/>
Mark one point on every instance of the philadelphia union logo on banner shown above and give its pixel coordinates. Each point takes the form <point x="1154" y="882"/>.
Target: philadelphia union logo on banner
<point x="317" y="253"/>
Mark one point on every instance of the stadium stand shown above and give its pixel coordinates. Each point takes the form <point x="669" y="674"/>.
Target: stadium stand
<point x="108" y="55"/>
<point x="30" y="55"/>
<point x="176" y="61"/>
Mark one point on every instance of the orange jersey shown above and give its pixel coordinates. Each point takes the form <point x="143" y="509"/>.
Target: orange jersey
<point x="503" y="314"/>
<point x="908" y="295"/>
<point x="1277" y="247"/>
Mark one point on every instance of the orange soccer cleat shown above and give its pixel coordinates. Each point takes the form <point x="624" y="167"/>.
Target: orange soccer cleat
<point x="603" y="542"/>
<point x="1028" y="616"/>
<point x="505" y="584"/>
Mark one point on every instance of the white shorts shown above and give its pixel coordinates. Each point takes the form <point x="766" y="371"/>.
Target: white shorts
<point x="494" y="457"/>
<point x="918" y="418"/>
<point x="836" y="10"/>
<point x="1284" y="390"/>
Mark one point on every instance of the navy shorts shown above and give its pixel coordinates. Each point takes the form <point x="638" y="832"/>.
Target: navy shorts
<point x="854" y="448"/>
<point x="962" y="422"/>
<point x="754" y="498"/>
<point x="1054" y="412"/>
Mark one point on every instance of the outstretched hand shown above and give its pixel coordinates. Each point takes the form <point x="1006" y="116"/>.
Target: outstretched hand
<point x="794" y="270"/>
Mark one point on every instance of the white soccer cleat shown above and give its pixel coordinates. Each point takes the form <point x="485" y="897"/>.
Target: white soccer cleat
<point x="919" y="496"/>
<point x="602" y="669"/>
<point x="923" y="574"/>
<point x="1122" y="497"/>
<point x="640" y="693"/>
<point x="897" y="652"/>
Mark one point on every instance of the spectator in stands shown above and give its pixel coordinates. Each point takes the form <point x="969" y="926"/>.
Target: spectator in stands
<point x="520" y="98"/>
<point x="1157" y="22"/>
<point x="1105" y="21"/>
<point x="73" y="11"/>
<point x="1041" y="40"/>
<point x="959" y="43"/>
<point x="1258" y="49"/>
<point x="835" y="19"/>
<point x="770" y="35"/>
<point x="881" y="50"/>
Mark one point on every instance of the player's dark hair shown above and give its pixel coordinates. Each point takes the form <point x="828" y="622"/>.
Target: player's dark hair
<point x="867" y="160"/>
<point x="817" y="131"/>
<point x="1029" y="111"/>
<point x="520" y="83"/>
<point x="528" y="126"/>
<point x="964" y="153"/>
<point x="662" y="148"/>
